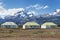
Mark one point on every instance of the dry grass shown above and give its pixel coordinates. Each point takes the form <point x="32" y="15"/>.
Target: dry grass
<point x="30" y="34"/>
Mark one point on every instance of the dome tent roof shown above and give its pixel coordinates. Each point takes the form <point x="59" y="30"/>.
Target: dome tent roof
<point x="31" y="23"/>
<point x="9" y="23"/>
<point x="49" y="23"/>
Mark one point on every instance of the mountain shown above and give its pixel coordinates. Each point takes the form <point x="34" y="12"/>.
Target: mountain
<point x="22" y="17"/>
<point x="53" y="17"/>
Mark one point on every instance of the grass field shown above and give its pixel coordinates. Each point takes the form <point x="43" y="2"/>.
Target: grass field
<point x="30" y="34"/>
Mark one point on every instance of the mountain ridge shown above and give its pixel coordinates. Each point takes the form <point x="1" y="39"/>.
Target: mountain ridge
<point x="22" y="17"/>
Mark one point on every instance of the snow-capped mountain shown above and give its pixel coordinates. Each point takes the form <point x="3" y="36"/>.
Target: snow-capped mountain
<point x="52" y="14"/>
<point x="52" y="17"/>
<point x="20" y="17"/>
<point x="55" y="13"/>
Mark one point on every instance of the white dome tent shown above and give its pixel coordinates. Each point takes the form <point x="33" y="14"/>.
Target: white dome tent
<point x="31" y="25"/>
<point x="49" y="25"/>
<point x="9" y="25"/>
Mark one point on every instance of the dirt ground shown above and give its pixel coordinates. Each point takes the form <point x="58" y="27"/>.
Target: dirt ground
<point x="21" y="38"/>
<point x="30" y="34"/>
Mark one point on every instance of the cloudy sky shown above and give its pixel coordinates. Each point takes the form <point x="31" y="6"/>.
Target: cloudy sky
<point x="9" y="7"/>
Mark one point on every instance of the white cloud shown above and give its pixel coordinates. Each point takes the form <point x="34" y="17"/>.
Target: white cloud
<point x="13" y="11"/>
<point x="45" y="7"/>
<point x="58" y="10"/>
<point x="1" y="5"/>
<point x="37" y="6"/>
<point x="4" y="12"/>
<point x="33" y="6"/>
<point x="10" y="11"/>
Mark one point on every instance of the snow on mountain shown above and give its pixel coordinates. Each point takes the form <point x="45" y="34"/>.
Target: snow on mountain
<point x="25" y="13"/>
<point x="31" y="13"/>
<point x="11" y="12"/>
<point x="58" y="10"/>
<point x="15" y="12"/>
<point x="21" y="16"/>
<point x="52" y="17"/>
<point x="55" y="13"/>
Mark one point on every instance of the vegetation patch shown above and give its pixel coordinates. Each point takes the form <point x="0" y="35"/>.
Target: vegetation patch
<point x="38" y="32"/>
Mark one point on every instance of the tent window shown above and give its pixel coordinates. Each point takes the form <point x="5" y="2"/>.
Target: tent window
<point x="47" y="26"/>
<point x="32" y="26"/>
<point x="52" y="26"/>
<point x="7" y="26"/>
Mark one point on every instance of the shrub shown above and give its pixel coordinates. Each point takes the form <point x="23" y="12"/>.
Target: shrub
<point x="10" y="31"/>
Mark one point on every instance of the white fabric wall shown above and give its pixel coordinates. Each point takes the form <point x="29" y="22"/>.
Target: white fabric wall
<point x="43" y="26"/>
<point x="24" y="26"/>
<point x="9" y="26"/>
